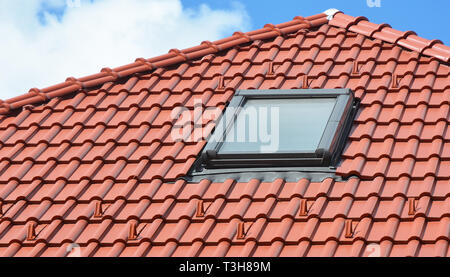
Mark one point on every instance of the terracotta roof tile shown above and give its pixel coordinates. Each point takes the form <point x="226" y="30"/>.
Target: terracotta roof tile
<point x="91" y="161"/>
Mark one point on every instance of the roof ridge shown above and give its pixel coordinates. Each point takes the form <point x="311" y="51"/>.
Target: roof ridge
<point x="407" y="39"/>
<point x="174" y="56"/>
<point x="334" y="17"/>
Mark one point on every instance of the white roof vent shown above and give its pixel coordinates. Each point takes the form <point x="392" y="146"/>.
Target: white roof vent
<point x="330" y="13"/>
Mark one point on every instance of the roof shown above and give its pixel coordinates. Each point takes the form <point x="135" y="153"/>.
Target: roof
<point x="89" y="163"/>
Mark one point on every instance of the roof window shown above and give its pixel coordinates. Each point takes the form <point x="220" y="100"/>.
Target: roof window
<point x="280" y="128"/>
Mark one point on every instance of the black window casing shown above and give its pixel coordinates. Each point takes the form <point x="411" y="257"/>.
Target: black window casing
<point x="326" y="155"/>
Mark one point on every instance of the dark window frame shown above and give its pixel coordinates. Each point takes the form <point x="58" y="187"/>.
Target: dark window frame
<point x="326" y="155"/>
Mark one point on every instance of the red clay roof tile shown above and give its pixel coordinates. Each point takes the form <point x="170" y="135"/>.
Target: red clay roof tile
<point x="102" y="143"/>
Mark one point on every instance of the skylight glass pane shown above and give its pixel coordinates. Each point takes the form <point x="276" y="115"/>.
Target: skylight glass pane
<point x="278" y="126"/>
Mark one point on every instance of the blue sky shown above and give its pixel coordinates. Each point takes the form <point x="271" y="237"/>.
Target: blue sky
<point x="50" y="40"/>
<point x="429" y="19"/>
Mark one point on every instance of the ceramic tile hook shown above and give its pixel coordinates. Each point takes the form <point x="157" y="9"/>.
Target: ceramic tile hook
<point x="28" y="107"/>
<point x="305" y="81"/>
<point x="303" y="207"/>
<point x="221" y="83"/>
<point x="348" y="228"/>
<point x="355" y="70"/>
<point x="240" y="231"/>
<point x="132" y="232"/>
<point x="394" y="81"/>
<point x="270" y="71"/>
<point x="31" y="232"/>
<point x="412" y="206"/>
<point x="98" y="209"/>
<point x="200" y="212"/>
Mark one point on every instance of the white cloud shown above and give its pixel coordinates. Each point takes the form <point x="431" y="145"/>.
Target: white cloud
<point x="46" y="41"/>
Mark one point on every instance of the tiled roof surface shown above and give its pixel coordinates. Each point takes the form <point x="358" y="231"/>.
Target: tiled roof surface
<point x="97" y="166"/>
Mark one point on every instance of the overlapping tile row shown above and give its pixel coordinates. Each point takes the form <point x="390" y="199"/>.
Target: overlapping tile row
<point x="99" y="167"/>
<point x="408" y="39"/>
<point x="359" y="25"/>
<point x="98" y="218"/>
<point x="174" y="56"/>
<point x="125" y="128"/>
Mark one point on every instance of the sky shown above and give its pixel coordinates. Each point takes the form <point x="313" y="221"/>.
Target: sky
<point x="46" y="41"/>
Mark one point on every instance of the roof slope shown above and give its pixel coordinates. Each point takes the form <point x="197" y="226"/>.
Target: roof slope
<point x="96" y="166"/>
<point x="409" y="39"/>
